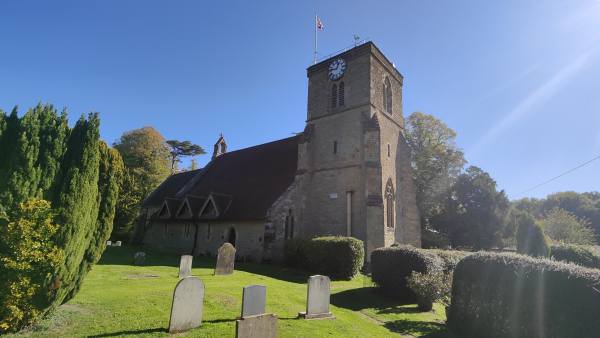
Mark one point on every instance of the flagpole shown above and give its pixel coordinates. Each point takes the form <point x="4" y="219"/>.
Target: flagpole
<point x="315" y="54"/>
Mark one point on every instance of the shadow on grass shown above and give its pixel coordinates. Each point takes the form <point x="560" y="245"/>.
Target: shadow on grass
<point x="129" y="333"/>
<point x="124" y="256"/>
<point x="370" y="298"/>
<point x="275" y="271"/>
<point x="364" y="298"/>
<point x="425" y="329"/>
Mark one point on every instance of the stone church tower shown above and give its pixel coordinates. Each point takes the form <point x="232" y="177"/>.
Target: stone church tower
<point x="347" y="174"/>
<point x="354" y="174"/>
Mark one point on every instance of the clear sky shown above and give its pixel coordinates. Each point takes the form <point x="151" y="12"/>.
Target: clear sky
<point x="519" y="80"/>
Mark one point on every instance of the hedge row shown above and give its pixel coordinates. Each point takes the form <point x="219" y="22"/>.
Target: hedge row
<point x="334" y="256"/>
<point x="450" y="258"/>
<point x="579" y="254"/>
<point x="392" y="265"/>
<point x="509" y="295"/>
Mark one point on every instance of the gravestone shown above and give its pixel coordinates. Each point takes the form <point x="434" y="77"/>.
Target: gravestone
<point x="317" y="300"/>
<point x="185" y="266"/>
<point x="253" y="300"/>
<point x="108" y="243"/>
<point x="139" y="258"/>
<point x="225" y="260"/>
<point x="118" y="243"/>
<point x="186" y="310"/>
<point x="261" y="326"/>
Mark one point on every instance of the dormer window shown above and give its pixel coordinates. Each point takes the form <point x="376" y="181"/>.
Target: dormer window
<point x="387" y="96"/>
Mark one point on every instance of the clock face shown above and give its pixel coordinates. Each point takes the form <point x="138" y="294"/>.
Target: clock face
<point x="336" y="69"/>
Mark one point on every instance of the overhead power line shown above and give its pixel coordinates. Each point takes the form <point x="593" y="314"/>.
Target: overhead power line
<point x="561" y="175"/>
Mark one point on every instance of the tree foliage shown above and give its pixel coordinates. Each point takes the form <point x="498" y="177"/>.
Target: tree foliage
<point x="79" y="177"/>
<point x="436" y="160"/>
<point x="531" y="239"/>
<point x="179" y="149"/>
<point x="474" y="212"/>
<point x="146" y="157"/>
<point x="585" y="206"/>
<point x="564" y="227"/>
<point x="28" y="258"/>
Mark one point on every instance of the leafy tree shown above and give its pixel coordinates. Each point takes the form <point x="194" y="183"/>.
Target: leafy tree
<point x="28" y="259"/>
<point x="583" y="205"/>
<point x="474" y="212"/>
<point x="563" y="226"/>
<point x="436" y="161"/>
<point x="531" y="239"/>
<point x="146" y="157"/>
<point x="181" y="149"/>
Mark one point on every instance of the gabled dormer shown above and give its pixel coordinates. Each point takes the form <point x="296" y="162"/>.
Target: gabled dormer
<point x="190" y="207"/>
<point x="169" y="208"/>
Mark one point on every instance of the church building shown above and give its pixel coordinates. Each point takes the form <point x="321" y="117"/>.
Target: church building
<point x="348" y="174"/>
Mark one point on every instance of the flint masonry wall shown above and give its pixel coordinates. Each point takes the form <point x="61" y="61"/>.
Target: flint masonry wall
<point x="177" y="237"/>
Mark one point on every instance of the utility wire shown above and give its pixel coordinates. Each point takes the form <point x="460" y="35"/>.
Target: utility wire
<point x="561" y="175"/>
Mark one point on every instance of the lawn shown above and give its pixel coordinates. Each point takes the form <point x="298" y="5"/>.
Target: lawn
<point x="119" y="299"/>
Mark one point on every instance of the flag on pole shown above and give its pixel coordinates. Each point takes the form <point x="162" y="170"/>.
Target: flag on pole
<point x="319" y="24"/>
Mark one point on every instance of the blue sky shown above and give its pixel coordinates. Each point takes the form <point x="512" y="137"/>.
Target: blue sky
<point x="519" y="80"/>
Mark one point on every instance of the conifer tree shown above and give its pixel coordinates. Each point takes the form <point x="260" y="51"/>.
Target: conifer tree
<point x="77" y="202"/>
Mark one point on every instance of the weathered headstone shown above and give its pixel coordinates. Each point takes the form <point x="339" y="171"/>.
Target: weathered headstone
<point x="117" y="243"/>
<point x="317" y="302"/>
<point x="261" y="326"/>
<point x="108" y="243"/>
<point x="185" y="266"/>
<point x="139" y="258"/>
<point x="225" y="260"/>
<point x="253" y="300"/>
<point x="188" y="299"/>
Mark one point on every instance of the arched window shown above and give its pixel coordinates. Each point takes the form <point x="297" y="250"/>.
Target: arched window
<point x="334" y="95"/>
<point x="341" y="94"/>
<point x="289" y="225"/>
<point x="389" y="204"/>
<point x="387" y="96"/>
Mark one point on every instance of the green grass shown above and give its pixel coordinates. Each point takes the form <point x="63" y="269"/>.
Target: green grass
<point x="118" y="299"/>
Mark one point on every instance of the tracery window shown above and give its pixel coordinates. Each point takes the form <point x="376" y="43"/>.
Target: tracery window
<point x="387" y="96"/>
<point x="389" y="204"/>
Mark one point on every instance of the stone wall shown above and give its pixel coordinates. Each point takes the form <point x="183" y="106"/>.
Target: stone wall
<point x="178" y="237"/>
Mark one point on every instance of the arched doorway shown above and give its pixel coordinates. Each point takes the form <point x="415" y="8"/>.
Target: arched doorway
<point x="231" y="237"/>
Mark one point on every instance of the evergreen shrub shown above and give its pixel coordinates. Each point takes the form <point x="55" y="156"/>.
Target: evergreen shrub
<point x="583" y="255"/>
<point x="334" y="256"/>
<point x="391" y="266"/>
<point x="531" y="239"/>
<point x="499" y="295"/>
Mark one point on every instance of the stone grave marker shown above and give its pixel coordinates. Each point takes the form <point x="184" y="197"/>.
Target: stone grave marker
<point x="185" y="266"/>
<point x="139" y="258"/>
<point x="188" y="301"/>
<point x="253" y="300"/>
<point x="117" y="243"/>
<point x="108" y="243"/>
<point x="317" y="300"/>
<point x="225" y="260"/>
<point x="261" y="326"/>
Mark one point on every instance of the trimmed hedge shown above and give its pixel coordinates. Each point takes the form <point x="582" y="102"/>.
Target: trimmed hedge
<point x="392" y="265"/>
<point x="334" y="256"/>
<point x="578" y="254"/>
<point x="509" y="295"/>
<point x="450" y="258"/>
